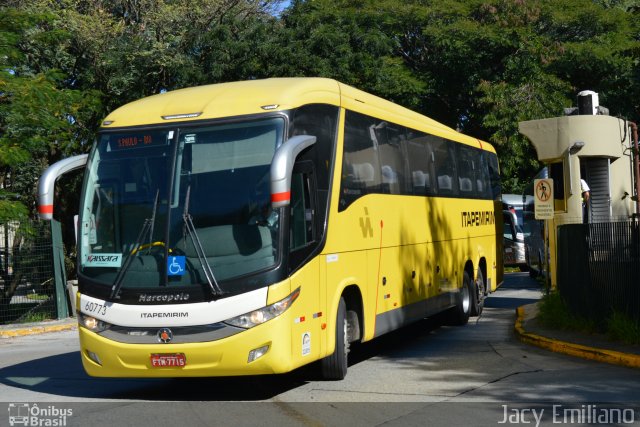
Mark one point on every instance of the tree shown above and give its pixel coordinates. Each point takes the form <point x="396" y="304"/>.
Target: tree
<point x="477" y="65"/>
<point x="347" y="41"/>
<point x="131" y="49"/>
<point x="40" y="122"/>
<point x="561" y="50"/>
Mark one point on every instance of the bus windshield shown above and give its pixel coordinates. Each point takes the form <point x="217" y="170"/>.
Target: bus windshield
<point x="180" y="207"/>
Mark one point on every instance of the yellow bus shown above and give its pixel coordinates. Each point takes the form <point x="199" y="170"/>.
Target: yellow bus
<point x="255" y="227"/>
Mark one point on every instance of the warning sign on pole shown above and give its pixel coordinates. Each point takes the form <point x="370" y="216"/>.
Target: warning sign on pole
<point x="543" y="198"/>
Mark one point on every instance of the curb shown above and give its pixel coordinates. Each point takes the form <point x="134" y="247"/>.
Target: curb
<point x="36" y="329"/>
<point x="590" y="353"/>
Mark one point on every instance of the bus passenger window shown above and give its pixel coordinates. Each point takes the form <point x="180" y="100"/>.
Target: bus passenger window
<point x="418" y="155"/>
<point x="361" y="172"/>
<point x="467" y="169"/>
<point x="444" y="165"/>
<point x="494" y="176"/>
<point x="389" y="138"/>
<point x="421" y="182"/>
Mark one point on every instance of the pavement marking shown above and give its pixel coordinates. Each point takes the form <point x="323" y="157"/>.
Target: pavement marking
<point x="28" y="381"/>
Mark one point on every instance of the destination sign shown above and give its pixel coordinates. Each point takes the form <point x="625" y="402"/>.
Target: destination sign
<point x="129" y="141"/>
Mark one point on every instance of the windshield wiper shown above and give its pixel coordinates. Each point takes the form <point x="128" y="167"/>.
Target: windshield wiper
<point x="147" y="227"/>
<point x="216" y="291"/>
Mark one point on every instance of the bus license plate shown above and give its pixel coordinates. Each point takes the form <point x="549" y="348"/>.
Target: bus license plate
<point x="168" y="360"/>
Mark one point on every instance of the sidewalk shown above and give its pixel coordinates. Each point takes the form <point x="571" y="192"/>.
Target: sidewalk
<point x="22" y="329"/>
<point x="588" y="346"/>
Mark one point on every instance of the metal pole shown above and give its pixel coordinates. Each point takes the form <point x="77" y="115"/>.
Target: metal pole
<point x="636" y="164"/>
<point x="547" y="278"/>
<point x="60" y="275"/>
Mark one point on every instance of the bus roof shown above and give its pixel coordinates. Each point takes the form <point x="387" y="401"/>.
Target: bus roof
<point x="276" y="94"/>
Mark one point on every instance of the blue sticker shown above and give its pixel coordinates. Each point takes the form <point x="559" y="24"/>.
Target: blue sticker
<point x="175" y="265"/>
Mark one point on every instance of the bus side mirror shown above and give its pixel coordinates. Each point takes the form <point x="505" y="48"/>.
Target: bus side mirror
<point x="47" y="182"/>
<point x="282" y="167"/>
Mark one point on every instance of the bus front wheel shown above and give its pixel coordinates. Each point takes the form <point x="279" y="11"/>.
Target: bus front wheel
<point x="334" y="367"/>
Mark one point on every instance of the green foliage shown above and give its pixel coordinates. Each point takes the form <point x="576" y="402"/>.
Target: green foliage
<point x="621" y="327"/>
<point x="554" y="313"/>
<point x="348" y="41"/>
<point x="35" y="316"/>
<point x="478" y="65"/>
<point x="40" y="119"/>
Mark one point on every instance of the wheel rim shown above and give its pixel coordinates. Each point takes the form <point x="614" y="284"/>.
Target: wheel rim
<point x="346" y="338"/>
<point x="466" y="298"/>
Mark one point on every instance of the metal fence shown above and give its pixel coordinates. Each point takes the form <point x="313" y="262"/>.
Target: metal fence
<point x="599" y="268"/>
<point x="27" y="280"/>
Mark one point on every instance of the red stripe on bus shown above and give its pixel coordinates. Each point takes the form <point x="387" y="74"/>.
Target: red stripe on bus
<point x="45" y="209"/>
<point x="281" y="197"/>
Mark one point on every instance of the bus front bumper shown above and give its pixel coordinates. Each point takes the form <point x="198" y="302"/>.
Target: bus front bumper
<point x="265" y="349"/>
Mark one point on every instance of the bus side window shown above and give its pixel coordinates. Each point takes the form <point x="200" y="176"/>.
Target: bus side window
<point x="467" y="170"/>
<point x="361" y="169"/>
<point x="390" y="139"/>
<point x="494" y="176"/>
<point x="444" y="164"/>
<point x="419" y="164"/>
<point x="301" y="226"/>
<point x="483" y="179"/>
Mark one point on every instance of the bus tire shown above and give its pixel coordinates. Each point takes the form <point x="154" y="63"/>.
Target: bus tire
<point x="479" y="295"/>
<point x="459" y="315"/>
<point x="334" y="366"/>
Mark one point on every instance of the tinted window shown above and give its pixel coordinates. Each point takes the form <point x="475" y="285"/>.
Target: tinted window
<point x="494" y="175"/>
<point x="392" y="166"/>
<point x="420" y="164"/>
<point x="382" y="157"/>
<point x="468" y="170"/>
<point x="361" y="166"/>
<point x="321" y="121"/>
<point x="445" y="167"/>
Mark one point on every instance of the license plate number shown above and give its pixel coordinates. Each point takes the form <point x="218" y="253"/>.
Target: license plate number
<point x="172" y="360"/>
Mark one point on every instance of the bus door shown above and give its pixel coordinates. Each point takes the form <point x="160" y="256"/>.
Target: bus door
<point x="307" y="335"/>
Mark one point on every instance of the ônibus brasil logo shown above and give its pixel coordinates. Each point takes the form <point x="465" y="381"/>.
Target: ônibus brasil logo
<point x="27" y="414"/>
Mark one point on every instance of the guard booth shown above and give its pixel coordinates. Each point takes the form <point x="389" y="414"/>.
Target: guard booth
<point x="586" y="143"/>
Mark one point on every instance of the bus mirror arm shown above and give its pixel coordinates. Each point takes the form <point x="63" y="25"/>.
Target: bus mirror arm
<point x="282" y="168"/>
<point x="47" y="182"/>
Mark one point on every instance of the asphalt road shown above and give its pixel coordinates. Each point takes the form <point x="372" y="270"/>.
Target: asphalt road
<point x="425" y="374"/>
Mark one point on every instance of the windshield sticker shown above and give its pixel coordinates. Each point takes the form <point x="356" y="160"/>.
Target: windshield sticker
<point x="103" y="260"/>
<point x="175" y="266"/>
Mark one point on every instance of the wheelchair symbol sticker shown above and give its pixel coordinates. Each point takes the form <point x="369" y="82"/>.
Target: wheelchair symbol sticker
<point x="175" y="265"/>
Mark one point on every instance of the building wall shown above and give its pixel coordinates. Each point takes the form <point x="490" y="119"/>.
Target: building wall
<point x="603" y="138"/>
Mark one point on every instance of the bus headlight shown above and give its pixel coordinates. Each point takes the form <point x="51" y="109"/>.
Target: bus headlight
<point x="258" y="317"/>
<point x="92" y="324"/>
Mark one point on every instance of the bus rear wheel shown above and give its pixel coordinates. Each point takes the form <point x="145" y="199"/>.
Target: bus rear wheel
<point x="479" y="294"/>
<point x="459" y="315"/>
<point x="334" y="367"/>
